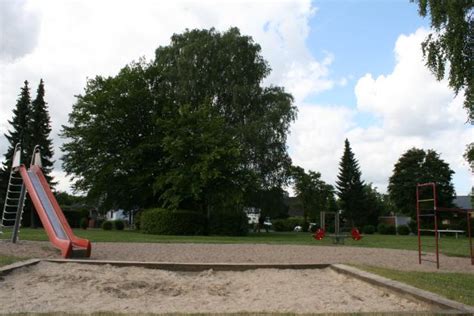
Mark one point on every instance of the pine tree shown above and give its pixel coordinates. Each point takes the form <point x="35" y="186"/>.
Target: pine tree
<point x="19" y="133"/>
<point x="40" y="127"/>
<point x="350" y="188"/>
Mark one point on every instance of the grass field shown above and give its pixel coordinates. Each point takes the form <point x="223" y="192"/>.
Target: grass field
<point x="455" y="286"/>
<point x="448" y="245"/>
<point x="5" y="260"/>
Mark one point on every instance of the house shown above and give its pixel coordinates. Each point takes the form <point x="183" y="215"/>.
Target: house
<point x="463" y="201"/>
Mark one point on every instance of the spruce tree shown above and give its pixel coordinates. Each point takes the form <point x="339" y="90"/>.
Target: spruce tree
<point x="350" y="188"/>
<point x="40" y="127"/>
<point x="19" y="133"/>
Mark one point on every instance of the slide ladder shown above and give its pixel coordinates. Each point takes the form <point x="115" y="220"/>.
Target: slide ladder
<point x="14" y="199"/>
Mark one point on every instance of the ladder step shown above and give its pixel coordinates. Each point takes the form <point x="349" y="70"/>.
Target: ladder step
<point x="15" y="185"/>
<point x="426" y="215"/>
<point x="12" y="199"/>
<point x="425" y="200"/>
<point x="427" y="230"/>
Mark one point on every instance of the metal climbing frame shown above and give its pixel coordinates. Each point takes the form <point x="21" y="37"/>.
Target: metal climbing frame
<point x="15" y="198"/>
<point x="424" y="211"/>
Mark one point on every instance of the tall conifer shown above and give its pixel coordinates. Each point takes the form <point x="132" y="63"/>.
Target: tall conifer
<point x="350" y="188"/>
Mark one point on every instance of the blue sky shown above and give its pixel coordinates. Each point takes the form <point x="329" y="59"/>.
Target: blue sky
<point x="361" y="35"/>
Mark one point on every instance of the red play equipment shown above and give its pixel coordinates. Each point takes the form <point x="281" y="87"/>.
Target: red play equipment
<point x="319" y="234"/>
<point x="337" y="237"/>
<point x="54" y="222"/>
<point x="427" y="209"/>
<point x="355" y="234"/>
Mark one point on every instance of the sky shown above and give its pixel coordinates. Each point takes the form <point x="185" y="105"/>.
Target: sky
<point x="355" y="69"/>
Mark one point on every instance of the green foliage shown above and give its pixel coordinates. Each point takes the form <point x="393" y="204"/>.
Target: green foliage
<point x="403" y="230"/>
<point x="314" y="194"/>
<point x="368" y="229"/>
<point x="449" y="46"/>
<point x="40" y="128"/>
<point x="228" y="223"/>
<point x="178" y="222"/>
<point x="287" y="224"/>
<point x="417" y="166"/>
<point x="107" y="225"/>
<point x="350" y="188"/>
<point x="84" y="224"/>
<point x="469" y="155"/>
<point x="192" y="129"/>
<point x="74" y="217"/>
<point x="384" y="229"/>
<point x="119" y="224"/>
<point x="271" y="202"/>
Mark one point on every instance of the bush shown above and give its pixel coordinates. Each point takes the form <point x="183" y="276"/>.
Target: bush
<point x="229" y="223"/>
<point x="119" y="224"/>
<point x="84" y="223"/>
<point x="107" y="225"/>
<point x="368" y="229"/>
<point x="403" y="230"/>
<point x="166" y="222"/>
<point x="384" y="229"/>
<point x="287" y="224"/>
<point x="413" y="226"/>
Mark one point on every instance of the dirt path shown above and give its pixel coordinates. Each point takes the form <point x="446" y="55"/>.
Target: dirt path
<point x="246" y="253"/>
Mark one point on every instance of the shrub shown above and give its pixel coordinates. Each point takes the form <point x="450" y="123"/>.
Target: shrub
<point x="107" y="225"/>
<point x="287" y="224"/>
<point x="368" y="229"/>
<point x="119" y="224"/>
<point x="137" y="219"/>
<point x="84" y="223"/>
<point x="403" y="230"/>
<point x="179" y="222"/>
<point x="413" y="226"/>
<point x="74" y="217"/>
<point x="229" y="223"/>
<point x="384" y="229"/>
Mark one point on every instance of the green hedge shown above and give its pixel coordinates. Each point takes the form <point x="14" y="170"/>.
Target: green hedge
<point x="107" y="225"/>
<point x="384" y="229"/>
<point x="403" y="230"/>
<point x="179" y="222"/>
<point x="119" y="224"/>
<point x="230" y="223"/>
<point x="368" y="229"/>
<point x="288" y="224"/>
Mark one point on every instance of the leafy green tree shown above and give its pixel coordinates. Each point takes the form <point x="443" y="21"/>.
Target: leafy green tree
<point x="350" y="188"/>
<point x="40" y="128"/>
<point x="376" y="204"/>
<point x="112" y="150"/>
<point x="314" y="194"/>
<point x="192" y="129"/>
<point x="19" y="133"/>
<point x="450" y="46"/>
<point x="419" y="166"/>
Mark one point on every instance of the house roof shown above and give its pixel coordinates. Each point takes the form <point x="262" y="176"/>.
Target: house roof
<point x="463" y="201"/>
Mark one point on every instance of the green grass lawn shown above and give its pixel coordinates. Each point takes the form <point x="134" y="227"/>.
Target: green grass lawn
<point x="448" y="245"/>
<point x="455" y="286"/>
<point x="5" y="260"/>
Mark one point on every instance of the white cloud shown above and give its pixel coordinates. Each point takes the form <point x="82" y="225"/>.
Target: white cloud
<point x="413" y="110"/>
<point x="81" y="39"/>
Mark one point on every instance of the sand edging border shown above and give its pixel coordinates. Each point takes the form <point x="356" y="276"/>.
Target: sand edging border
<point x="403" y="289"/>
<point x="16" y="265"/>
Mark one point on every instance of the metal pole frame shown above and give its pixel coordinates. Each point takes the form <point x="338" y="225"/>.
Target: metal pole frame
<point x="19" y="211"/>
<point x="470" y="236"/>
<point x="418" y="222"/>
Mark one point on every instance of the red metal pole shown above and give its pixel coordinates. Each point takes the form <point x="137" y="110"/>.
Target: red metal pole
<point x="418" y="222"/>
<point x="436" y="225"/>
<point x="470" y="236"/>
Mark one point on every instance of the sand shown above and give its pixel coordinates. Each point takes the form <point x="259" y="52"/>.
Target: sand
<point x="72" y="287"/>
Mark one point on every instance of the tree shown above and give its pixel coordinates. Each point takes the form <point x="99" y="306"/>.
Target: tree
<point x="419" y="166"/>
<point x="376" y="204"/>
<point x="19" y="133"/>
<point x="314" y="194"/>
<point x="450" y="46"/>
<point x="350" y="188"/>
<point x="183" y="129"/>
<point x="40" y="128"/>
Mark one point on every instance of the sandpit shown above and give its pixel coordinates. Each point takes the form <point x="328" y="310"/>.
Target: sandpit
<point x="80" y="288"/>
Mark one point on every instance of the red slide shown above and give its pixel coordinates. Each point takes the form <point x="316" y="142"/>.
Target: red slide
<point x="54" y="222"/>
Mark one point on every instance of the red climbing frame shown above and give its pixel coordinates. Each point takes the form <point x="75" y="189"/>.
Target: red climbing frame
<point x="433" y="212"/>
